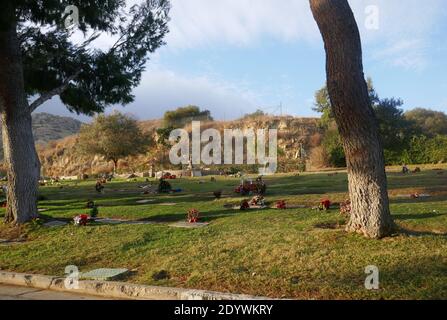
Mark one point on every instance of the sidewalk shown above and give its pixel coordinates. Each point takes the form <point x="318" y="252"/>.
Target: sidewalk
<point x="8" y="292"/>
<point x="42" y="285"/>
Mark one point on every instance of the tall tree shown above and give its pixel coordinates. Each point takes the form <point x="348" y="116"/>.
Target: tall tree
<point x="355" y="118"/>
<point x="395" y="130"/>
<point x="114" y="137"/>
<point x="429" y="122"/>
<point x="184" y="115"/>
<point x="39" y="58"/>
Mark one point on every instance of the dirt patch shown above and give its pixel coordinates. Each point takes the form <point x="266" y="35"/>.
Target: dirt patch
<point x="12" y="233"/>
<point x="329" y="226"/>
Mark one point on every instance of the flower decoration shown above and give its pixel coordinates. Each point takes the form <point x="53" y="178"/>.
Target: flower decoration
<point x="193" y="216"/>
<point x="325" y="204"/>
<point x="81" y="220"/>
<point x="257" y="201"/>
<point x="345" y="207"/>
<point x="281" y="204"/>
<point x="245" y="205"/>
<point x="94" y="212"/>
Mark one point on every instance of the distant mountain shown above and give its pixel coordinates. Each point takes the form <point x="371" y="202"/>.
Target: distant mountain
<point x="48" y="127"/>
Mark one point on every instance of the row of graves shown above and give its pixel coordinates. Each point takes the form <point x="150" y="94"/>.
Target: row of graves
<point x="256" y="190"/>
<point x="253" y="191"/>
<point x="163" y="187"/>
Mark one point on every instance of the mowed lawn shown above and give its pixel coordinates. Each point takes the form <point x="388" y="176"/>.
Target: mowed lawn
<point x="296" y="253"/>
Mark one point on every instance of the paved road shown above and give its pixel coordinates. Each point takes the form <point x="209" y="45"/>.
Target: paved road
<point x="8" y="292"/>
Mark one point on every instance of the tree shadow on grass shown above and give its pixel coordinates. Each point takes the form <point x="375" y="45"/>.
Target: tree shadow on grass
<point x="419" y="216"/>
<point x="163" y="218"/>
<point x="413" y="278"/>
<point x="417" y="201"/>
<point x="47" y="218"/>
<point x="417" y="233"/>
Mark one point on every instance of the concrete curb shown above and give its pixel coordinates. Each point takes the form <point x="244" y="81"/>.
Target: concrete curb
<point x="117" y="290"/>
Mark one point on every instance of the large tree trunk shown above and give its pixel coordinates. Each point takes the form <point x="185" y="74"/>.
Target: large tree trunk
<point x="20" y="157"/>
<point x="355" y="118"/>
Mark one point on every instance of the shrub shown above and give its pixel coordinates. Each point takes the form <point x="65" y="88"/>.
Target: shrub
<point x="334" y="148"/>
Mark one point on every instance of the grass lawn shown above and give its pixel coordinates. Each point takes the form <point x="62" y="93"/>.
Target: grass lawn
<point x="281" y="254"/>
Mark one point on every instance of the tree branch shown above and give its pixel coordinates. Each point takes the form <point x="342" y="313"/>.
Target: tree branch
<point x="50" y="94"/>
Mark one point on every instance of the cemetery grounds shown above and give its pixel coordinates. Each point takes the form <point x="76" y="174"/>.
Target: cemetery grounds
<point x="296" y="253"/>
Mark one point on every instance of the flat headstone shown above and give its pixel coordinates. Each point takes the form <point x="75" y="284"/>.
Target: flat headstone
<point x="145" y="201"/>
<point x="140" y="222"/>
<point x="410" y="195"/>
<point x="109" y="221"/>
<point x="167" y="204"/>
<point x="105" y="274"/>
<point x="42" y="209"/>
<point x="251" y="208"/>
<point x="187" y="225"/>
<point x="56" y="223"/>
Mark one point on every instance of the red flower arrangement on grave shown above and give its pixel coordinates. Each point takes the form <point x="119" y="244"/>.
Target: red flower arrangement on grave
<point x="326" y="204"/>
<point x="281" y="204"/>
<point x="415" y="196"/>
<point x="81" y="220"/>
<point x="193" y="216"/>
<point x="245" y="205"/>
<point x="257" y="201"/>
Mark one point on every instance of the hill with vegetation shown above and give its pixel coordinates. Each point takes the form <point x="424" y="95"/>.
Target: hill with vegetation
<point x="415" y="137"/>
<point x="296" y="138"/>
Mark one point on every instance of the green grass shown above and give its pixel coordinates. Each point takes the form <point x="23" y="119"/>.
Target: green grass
<point x="281" y="254"/>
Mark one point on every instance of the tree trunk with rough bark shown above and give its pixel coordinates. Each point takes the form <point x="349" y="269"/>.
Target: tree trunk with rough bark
<point x="20" y="156"/>
<point x="355" y="119"/>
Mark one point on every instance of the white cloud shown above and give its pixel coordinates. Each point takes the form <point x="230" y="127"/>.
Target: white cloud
<point x="201" y="23"/>
<point x="409" y="54"/>
<point x="238" y="22"/>
<point x="163" y="90"/>
<point x="402" y="40"/>
<point x="242" y="22"/>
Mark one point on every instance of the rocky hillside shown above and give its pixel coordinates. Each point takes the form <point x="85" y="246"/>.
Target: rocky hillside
<point x="296" y="138"/>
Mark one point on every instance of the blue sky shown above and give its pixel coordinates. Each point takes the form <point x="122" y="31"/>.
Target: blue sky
<point x="235" y="56"/>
